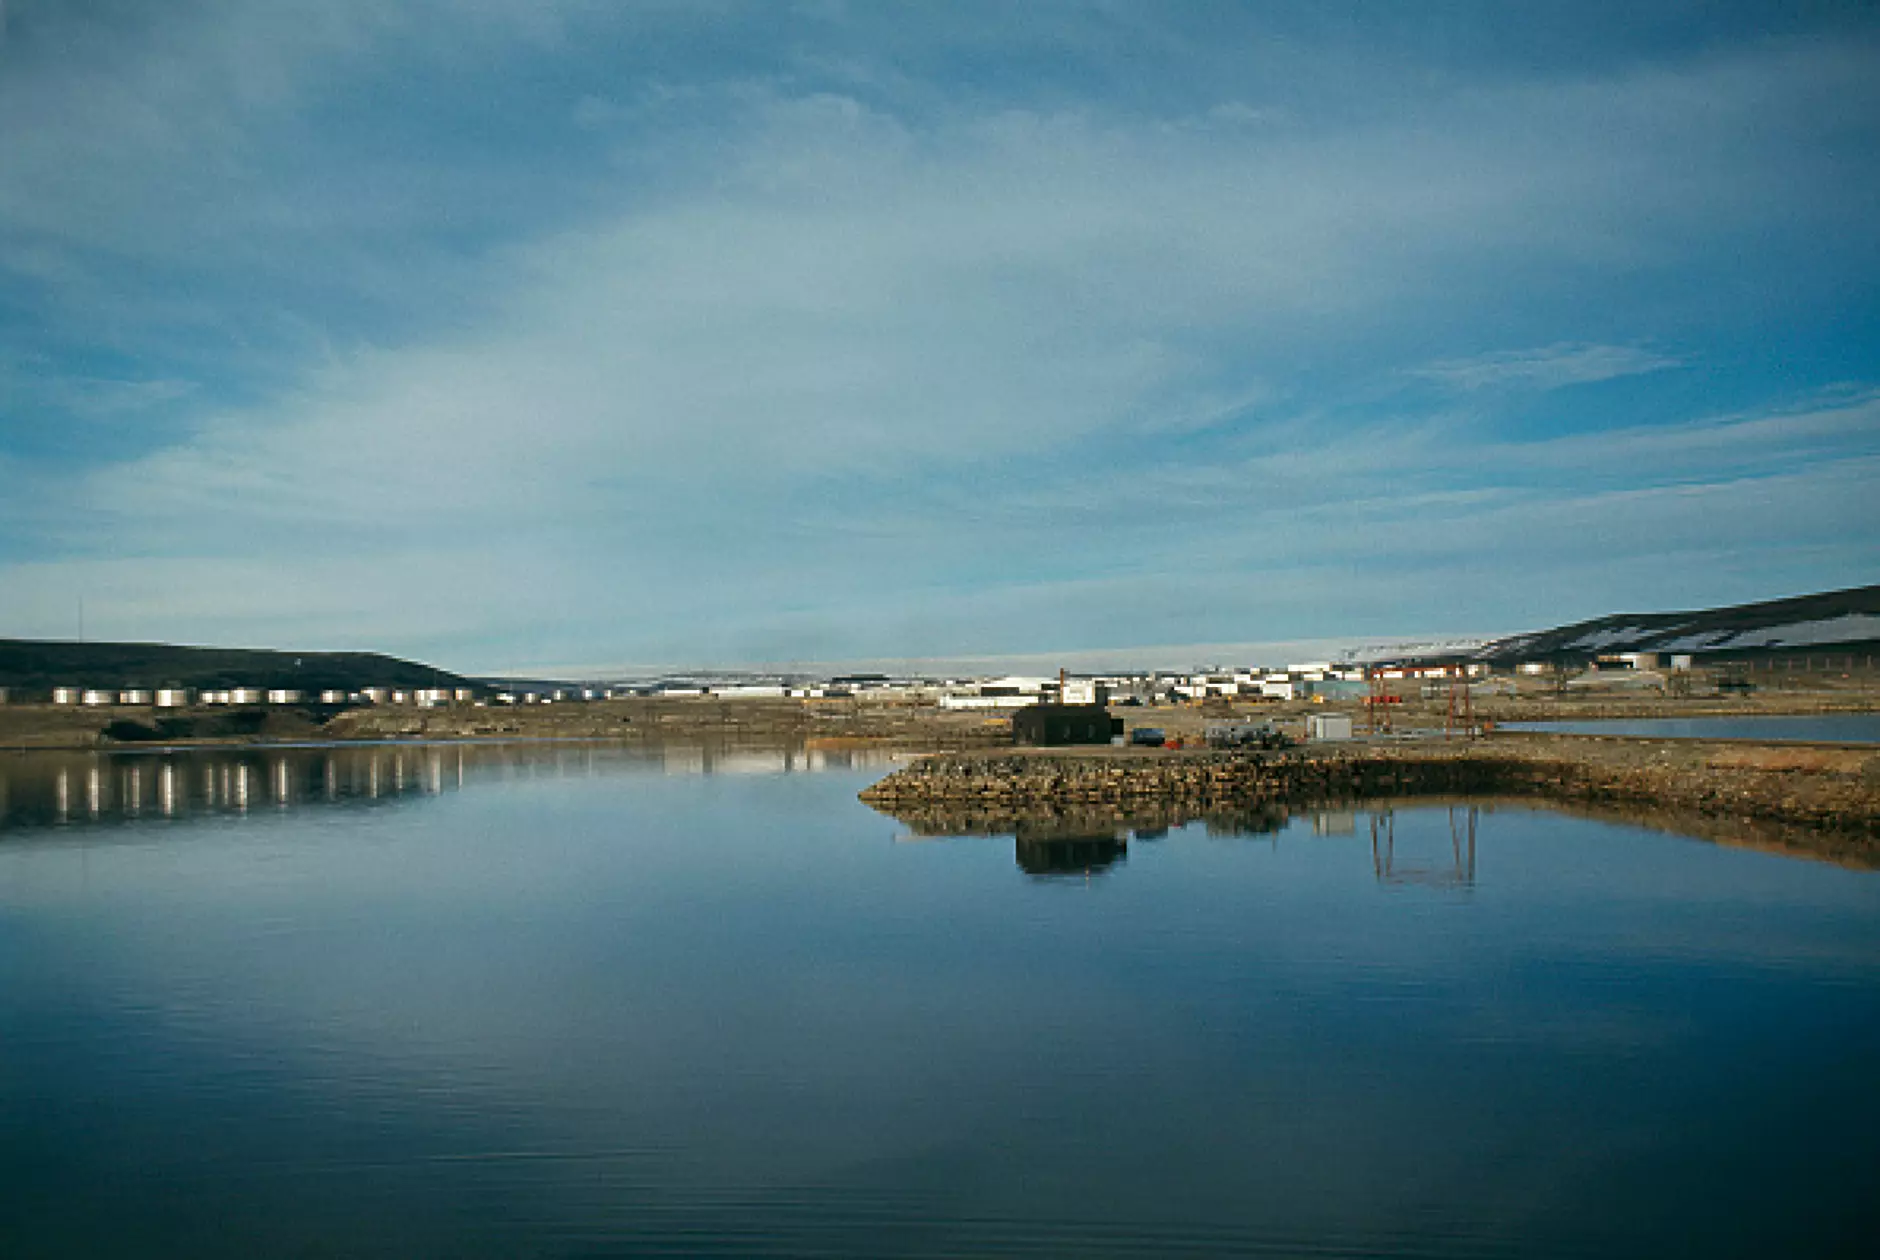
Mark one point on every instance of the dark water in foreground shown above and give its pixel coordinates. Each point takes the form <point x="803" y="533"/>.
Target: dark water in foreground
<point x="1851" y="728"/>
<point x="559" y="1003"/>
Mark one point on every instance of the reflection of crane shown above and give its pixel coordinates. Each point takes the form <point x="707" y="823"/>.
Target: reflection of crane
<point x="1461" y="869"/>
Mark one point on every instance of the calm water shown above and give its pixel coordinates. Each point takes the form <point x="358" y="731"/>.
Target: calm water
<point x="573" y="1002"/>
<point x="1852" y="728"/>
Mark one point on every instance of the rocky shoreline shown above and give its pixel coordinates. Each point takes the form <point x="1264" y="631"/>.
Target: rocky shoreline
<point x="1829" y="789"/>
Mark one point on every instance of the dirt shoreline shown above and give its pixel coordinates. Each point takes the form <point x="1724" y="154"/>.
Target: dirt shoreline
<point x="30" y="727"/>
<point x="888" y="725"/>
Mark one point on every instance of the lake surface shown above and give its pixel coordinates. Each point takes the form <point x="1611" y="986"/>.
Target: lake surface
<point x="1850" y="728"/>
<point x="573" y="1001"/>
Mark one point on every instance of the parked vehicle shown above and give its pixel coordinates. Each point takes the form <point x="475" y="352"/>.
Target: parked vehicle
<point x="1246" y="735"/>
<point x="1148" y="737"/>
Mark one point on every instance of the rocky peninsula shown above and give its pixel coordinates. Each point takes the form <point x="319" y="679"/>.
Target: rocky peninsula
<point x="1825" y="797"/>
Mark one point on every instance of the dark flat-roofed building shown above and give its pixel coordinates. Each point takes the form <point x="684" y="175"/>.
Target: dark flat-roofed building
<point x="1055" y="725"/>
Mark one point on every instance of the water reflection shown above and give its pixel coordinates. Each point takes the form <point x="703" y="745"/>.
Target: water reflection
<point x="1417" y="864"/>
<point x="1084" y="856"/>
<point x="1087" y="842"/>
<point x="643" y="1015"/>
<point x="1059" y="841"/>
<point x="40" y="789"/>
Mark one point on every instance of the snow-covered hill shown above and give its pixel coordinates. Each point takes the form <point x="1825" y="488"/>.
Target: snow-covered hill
<point x="1833" y="619"/>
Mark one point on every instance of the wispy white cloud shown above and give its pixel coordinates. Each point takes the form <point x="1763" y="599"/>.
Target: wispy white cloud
<point x="852" y="369"/>
<point x="1548" y="367"/>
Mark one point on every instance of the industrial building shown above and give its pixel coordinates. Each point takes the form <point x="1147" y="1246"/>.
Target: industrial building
<point x="1057" y="725"/>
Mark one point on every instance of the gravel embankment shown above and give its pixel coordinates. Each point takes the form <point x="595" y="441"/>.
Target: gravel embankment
<point x="1830" y="788"/>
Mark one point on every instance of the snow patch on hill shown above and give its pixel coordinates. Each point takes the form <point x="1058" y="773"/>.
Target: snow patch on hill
<point x="1848" y="628"/>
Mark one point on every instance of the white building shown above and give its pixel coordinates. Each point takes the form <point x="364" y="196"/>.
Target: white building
<point x="986" y="702"/>
<point x="1014" y="691"/>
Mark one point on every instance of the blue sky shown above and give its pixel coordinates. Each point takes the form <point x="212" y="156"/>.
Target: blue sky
<point x="516" y="336"/>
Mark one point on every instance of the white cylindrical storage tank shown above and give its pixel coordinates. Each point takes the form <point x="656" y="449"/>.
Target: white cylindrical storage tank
<point x="134" y="695"/>
<point x="67" y="695"/>
<point x="172" y="697"/>
<point x="332" y="697"/>
<point x="94" y="698"/>
<point x="283" y="695"/>
<point x="245" y="695"/>
<point x="1328" y="726"/>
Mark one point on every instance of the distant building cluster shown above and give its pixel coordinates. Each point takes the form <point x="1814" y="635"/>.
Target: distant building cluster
<point x="1312" y="680"/>
<point x="1323" y="681"/>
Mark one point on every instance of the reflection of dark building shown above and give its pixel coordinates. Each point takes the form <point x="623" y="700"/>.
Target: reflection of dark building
<point x="1069" y="855"/>
<point x="1048" y="725"/>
